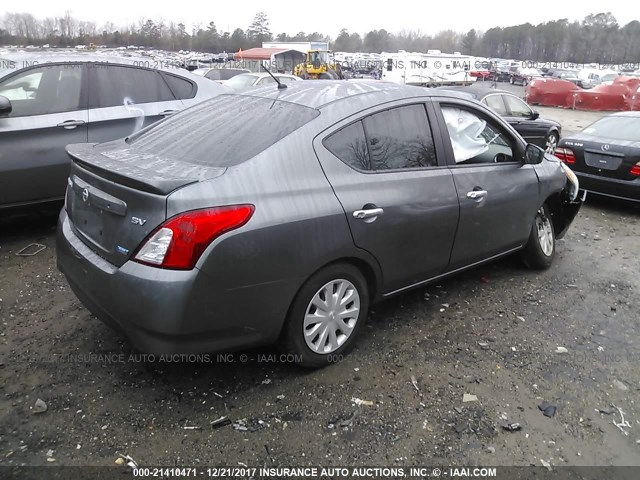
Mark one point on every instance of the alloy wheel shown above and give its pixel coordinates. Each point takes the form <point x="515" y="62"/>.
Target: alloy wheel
<point x="552" y="143"/>
<point x="545" y="233"/>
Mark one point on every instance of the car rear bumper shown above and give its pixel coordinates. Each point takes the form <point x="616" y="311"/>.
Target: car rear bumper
<point x="166" y="311"/>
<point x="611" y="187"/>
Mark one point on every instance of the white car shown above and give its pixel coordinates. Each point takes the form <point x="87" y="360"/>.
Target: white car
<point x="248" y="80"/>
<point x="220" y="75"/>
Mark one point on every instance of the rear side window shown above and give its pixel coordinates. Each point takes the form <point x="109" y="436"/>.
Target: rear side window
<point x="350" y="146"/>
<point x="114" y="85"/>
<point x="400" y="138"/>
<point x="495" y="103"/>
<point x="390" y="140"/>
<point x="181" y="88"/>
<point x="224" y="131"/>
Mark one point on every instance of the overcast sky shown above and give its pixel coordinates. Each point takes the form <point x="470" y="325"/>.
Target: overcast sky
<point x="329" y="16"/>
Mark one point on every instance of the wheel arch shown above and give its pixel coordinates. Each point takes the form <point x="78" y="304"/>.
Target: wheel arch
<point x="371" y="273"/>
<point x="562" y="214"/>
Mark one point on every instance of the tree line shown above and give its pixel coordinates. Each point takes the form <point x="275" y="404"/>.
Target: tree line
<point x="596" y="38"/>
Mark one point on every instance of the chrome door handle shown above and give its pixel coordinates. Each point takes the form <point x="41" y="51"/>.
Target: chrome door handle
<point x="69" y="124"/>
<point x="373" y="212"/>
<point x="477" y="194"/>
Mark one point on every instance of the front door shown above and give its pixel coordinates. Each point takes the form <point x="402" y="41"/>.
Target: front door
<point x="48" y="113"/>
<point x="498" y="193"/>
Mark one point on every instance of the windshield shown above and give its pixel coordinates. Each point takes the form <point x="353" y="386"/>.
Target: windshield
<point x="616" y="128"/>
<point x="224" y="131"/>
<point x="240" y="82"/>
<point x="318" y="57"/>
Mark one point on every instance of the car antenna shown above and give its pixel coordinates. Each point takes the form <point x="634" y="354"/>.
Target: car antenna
<point x="280" y="85"/>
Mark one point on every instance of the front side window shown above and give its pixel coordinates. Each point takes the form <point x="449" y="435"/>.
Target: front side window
<point x="474" y="139"/>
<point x="44" y="90"/>
<point x="517" y="107"/>
<point x="114" y="85"/>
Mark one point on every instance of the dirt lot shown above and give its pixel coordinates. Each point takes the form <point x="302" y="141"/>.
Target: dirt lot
<point x="493" y="332"/>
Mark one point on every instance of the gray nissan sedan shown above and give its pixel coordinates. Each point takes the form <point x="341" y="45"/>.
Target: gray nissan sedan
<point x="281" y="214"/>
<point x="49" y="100"/>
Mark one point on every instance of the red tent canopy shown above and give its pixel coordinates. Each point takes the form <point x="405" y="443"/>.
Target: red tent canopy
<point x="259" y="53"/>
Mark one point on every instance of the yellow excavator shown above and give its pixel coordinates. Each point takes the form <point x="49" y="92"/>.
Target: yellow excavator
<point x="318" y="65"/>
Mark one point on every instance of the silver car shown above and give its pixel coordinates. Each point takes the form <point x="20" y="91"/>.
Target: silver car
<point x="48" y="101"/>
<point x="299" y="207"/>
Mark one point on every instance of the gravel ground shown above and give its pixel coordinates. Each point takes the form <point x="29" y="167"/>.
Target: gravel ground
<point x="503" y="337"/>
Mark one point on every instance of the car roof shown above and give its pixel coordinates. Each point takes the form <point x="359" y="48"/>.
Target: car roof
<point x="320" y="93"/>
<point x="475" y="92"/>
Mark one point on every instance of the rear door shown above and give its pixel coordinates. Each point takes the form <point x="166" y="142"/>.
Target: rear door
<point x="48" y="112"/>
<point x="123" y="99"/>
<point x="498" y="194"/>
<point x="398" y="195"/>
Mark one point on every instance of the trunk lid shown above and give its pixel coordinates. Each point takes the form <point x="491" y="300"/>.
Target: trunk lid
<point x="117" y="196"/>
<point x="603" y="157"/>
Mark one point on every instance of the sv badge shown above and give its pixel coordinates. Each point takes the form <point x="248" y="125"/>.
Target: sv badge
<point x="138" y="221"/>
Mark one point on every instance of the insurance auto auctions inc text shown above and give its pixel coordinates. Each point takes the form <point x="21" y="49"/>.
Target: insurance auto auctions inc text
<point x="349" y="472"/>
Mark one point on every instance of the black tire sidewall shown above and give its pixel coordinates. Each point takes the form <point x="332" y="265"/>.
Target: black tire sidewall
<point x="292" y="339"/>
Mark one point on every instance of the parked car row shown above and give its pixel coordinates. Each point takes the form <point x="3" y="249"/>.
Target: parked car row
<point x="208" y="230"/>
<point x="50" y="101"/>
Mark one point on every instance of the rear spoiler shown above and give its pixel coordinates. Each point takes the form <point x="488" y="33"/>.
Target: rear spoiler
<point x="118" y="162"/>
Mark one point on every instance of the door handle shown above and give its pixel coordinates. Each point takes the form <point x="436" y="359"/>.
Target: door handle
<point x="477" y="194"/>
<point x="166" y="113"/>
<point x="370" y="213"/>
<point x="71" y="124"/>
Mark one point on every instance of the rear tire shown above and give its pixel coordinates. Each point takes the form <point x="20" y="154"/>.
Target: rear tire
<point x="551" y="142"/>
<point x="540" y="249"/>
<point x="326" y="316"/>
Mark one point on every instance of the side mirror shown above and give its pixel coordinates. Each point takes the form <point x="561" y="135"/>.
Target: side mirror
<point x="5" y="106"/>
<point x="533" y="154"/>
<point x="535" y="115"/>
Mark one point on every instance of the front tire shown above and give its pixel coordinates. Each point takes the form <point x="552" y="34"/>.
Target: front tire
<point x="540" y="249"/>
<point x="326" y="316"/>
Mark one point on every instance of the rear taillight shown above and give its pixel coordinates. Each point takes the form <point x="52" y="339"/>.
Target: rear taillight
<point x="635" y="170"/>
<point x="179" y="242"/>
<point x="565" y="154"/>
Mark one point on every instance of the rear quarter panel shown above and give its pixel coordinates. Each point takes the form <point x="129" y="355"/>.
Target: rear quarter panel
<point x="298" y="226"/>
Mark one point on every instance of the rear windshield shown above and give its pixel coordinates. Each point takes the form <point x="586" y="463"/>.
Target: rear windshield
<point x="241" y="81"/>
<point x="223" y="131"/>
<point x="223" y="74"/>
<point x="616" y="128"/>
